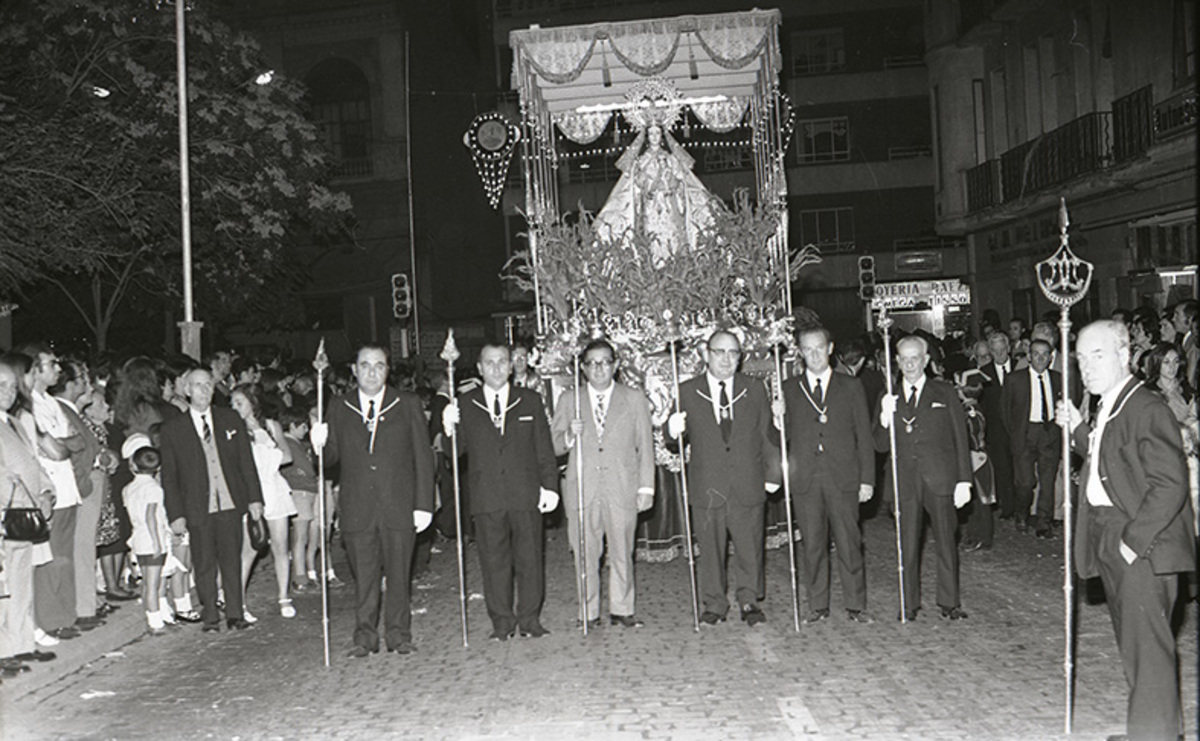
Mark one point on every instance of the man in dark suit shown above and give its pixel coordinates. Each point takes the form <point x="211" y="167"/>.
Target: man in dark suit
<point x="513" y="480"/>
<point x="380" y="438"/>
<point x="613" y="432"/>
<point x="933" y="462"/>
<point x="727" y="417"/>
<point x="209" y="483"/>
<point x="999" y="447"/>
<point x="1027" y="411"/>
<point x="831" y="459"/>
<point x="1135" y="523"/>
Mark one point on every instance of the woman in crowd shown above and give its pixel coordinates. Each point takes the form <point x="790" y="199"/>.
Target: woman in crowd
<point x="1164" y="373"/>
<point x="270" y="452"/>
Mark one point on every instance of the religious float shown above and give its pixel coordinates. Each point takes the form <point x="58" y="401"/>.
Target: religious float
<point x="664" y="262"/>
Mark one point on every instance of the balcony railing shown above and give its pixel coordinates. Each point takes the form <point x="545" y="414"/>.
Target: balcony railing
<point x="1175" y="115"/>
<point x="1076" y="148"/>
<point x="1132" y="132"/>
<point x="983" y="185"/>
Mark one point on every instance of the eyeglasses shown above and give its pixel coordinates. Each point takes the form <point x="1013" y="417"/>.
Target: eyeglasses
<point x="724" y="353"/>
<point x="597" y="363"/>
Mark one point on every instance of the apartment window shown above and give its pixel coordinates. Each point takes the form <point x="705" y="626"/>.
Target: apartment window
<point x="341" y="107"/>
<point x="830" y="229"/>
<point x="1184" y="61"/>
<point x="816" y="52"/>
<point x="999" y="85"/>
<point x="980" y="121"/>
<point x="1033" y="92"/>
<point x="824" y="139"/>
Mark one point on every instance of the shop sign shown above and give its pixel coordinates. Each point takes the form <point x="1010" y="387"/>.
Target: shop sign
<point x="910" y="294"/>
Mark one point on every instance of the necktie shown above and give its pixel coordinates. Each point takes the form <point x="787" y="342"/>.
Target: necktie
<point x="912" y="395"/>
<point x="1047" y="410"/>
<point x="207" y="430"/>
<point x="1000" y="371"/>
<point x="818" y="394"/>
<point x="370" y="412"/>
<point x="599" y="413"/>
<point x="497" y="412"/>
<point x="726" y="412"/>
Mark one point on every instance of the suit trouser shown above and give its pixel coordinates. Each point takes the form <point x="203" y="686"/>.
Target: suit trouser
<point x="510" y="549"/>
<point x="86" y="523"/>
<point x="376" y="553"/>
<point x="999" y="449"/>
<point x="821" y="510"/>
<point x="54" y="582"/>
<point x="1037" y="461"/>
<point x="1140" y="604"/>
<point x="614" y="526"/>
<point x="16" y="610"/>
<point x="916" y="499"/>
<point x="217" y="544"/>
<point x="715" y="527"/>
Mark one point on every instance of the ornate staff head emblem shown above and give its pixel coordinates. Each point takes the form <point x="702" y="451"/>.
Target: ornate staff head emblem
<point x="1063" y="277"/>
<point x="450" y="350"/>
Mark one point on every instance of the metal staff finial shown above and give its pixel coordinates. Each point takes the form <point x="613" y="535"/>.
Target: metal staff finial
<point x="1064" y="279"/>
<point x="450" y="351"/>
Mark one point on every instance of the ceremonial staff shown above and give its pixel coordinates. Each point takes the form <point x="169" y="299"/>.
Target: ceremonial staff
<point x="687" y="515"/>
<point x="321" y="364"/>
<point x="787" y="486"/>
<point x="581" y="556"/>
<point x="450" y="354"/>
<point x="885" y="323"/>
<point x="1064" y="279"/>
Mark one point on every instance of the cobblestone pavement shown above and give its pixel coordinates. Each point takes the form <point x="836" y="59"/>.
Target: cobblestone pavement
<point x="996" y="675"/>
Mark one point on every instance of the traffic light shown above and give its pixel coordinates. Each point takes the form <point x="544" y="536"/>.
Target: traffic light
<point x="401" y="296"/>
<point x="866" y="277"/>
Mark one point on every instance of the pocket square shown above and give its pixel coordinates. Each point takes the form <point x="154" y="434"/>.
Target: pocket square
<point x="525" y="419"/>
<point x="938" y="405"/>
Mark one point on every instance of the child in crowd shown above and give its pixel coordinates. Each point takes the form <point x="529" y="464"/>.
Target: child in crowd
<point x="151" y="538"/>
<point x="302" y="478"/>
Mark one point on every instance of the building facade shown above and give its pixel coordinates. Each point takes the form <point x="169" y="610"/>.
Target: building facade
<point x="1087" y="100"/>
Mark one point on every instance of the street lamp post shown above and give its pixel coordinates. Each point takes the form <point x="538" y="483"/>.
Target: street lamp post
<point x="189" y="328"/>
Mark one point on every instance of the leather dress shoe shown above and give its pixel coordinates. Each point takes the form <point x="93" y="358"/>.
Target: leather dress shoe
<point x="8" y="671"/>
<point x="711" y="618"/>
<point x="534" y="631"/>
<point x="501" y="635"/>
<point x="592" y="624"/>
<point x="67" y="633"/>
<point x="361" y="652"/>
<point x="88" y="623"/>
<point x="211" y="628"/>
<point x="953" y="613"/>
<point x="629" y="621"/>
<point x="909" y="615"/>
<point x="36" y="656"/>
<point x="752" y="615"/>
<point x="859" y="616"/>
<point x="816" y="616"/>
<point x="970" y="546"/>
<point x="403" y="649"/>
<point x="120" y="595"/>
<point x="238" y="623"/>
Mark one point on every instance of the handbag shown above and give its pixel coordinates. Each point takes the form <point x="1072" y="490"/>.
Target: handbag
<point x="24" y="524"/>
<point x="256" y="529"/>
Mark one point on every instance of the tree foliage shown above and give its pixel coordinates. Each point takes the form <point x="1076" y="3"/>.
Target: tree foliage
<point x="89" y="154"/>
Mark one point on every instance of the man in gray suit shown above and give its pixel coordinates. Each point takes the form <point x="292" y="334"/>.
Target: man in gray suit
<point x="613" y="434"/>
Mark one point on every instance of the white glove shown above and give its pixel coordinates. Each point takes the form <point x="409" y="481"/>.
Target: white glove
<point x="319" y="435"/>
<point x="547" y="501"/>
<point x="771" y="487"/>
<point x="676" y="424"/>
<point x="450" y="417"/>
<point x="777" y="411"/>
<point x="887" y="408"/>
<point x="645" y="499"/>
<point x="865" y="491"/>
<point x="422" y="519"/>
<point x="962" y="494"/>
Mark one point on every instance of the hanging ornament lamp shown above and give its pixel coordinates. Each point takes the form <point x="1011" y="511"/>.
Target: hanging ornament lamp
<point x="492" y="139"/>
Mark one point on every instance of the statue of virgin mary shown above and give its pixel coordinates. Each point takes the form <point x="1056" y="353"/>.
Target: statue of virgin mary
<point x="657" y="196"/>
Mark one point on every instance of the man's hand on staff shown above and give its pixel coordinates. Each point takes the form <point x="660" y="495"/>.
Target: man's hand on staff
<point x="575" y="432"/>
<point x="319" y="435"/>
<point x="676" y="424"/>
<point x="1067" y="415"/>
<point x="450" y="418"/>
<point x="887" y="409"/>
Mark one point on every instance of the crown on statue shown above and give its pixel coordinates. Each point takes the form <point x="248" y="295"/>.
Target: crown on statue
<point x="1063" y="277"/>
<point x="652" y="101"/>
